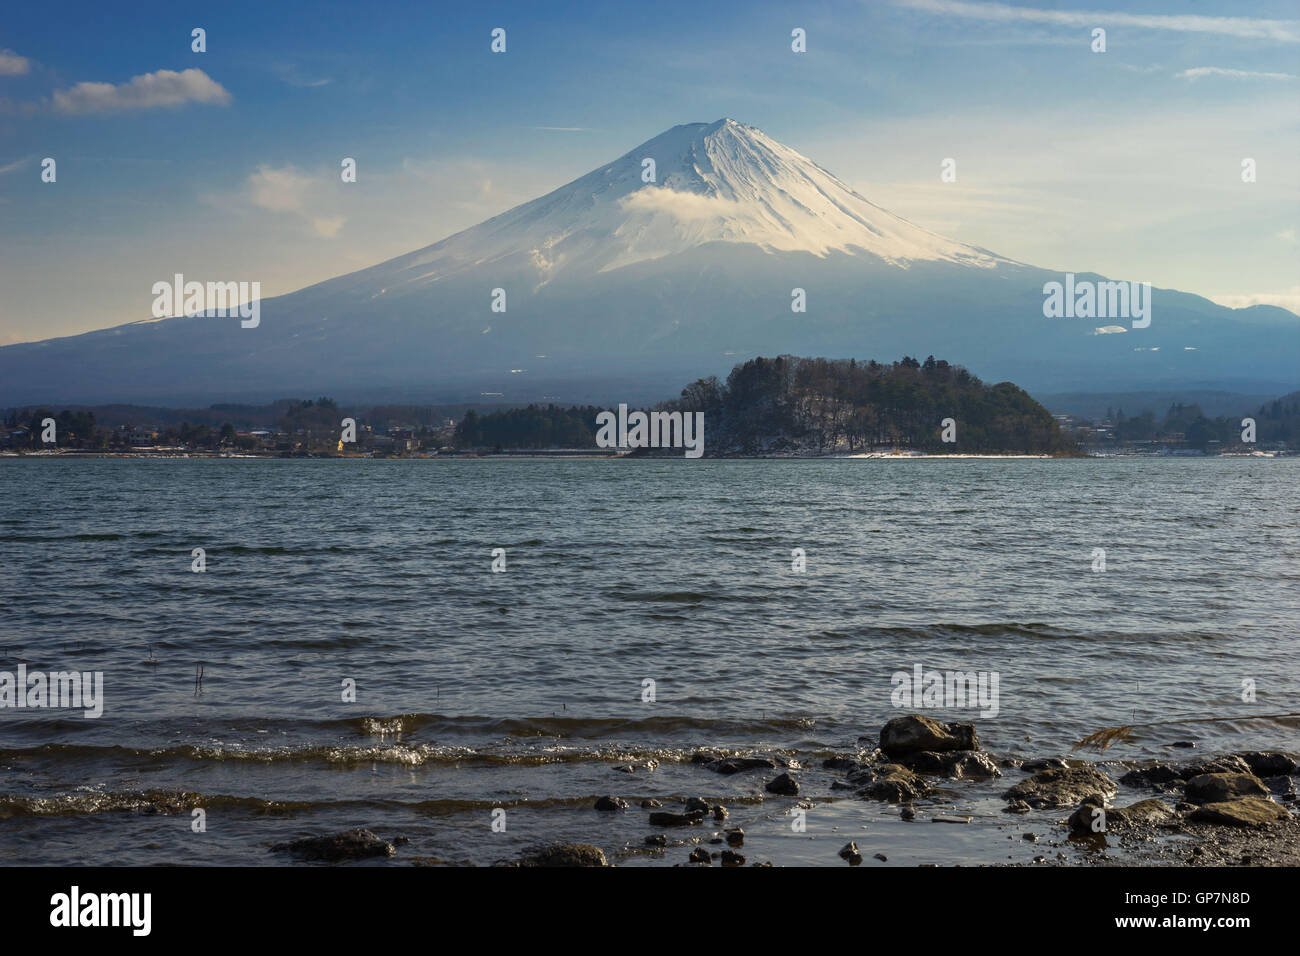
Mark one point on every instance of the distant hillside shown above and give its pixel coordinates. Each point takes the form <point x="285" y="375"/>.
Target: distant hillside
<point x="1101" y="405"/>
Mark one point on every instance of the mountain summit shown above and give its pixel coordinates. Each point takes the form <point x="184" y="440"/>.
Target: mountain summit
<point x="716" y="182"/>
<point x="678" y="259"/>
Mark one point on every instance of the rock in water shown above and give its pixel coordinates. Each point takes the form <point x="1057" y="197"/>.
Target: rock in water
<point x="913" y="733"/>
<point x="958" y="764"/>
<point x="1268" y="763"/>
<point x="664" y="818"/>
<point x="355" y="844"/>
<point x="730" y="765"/>
<point x="567" y="854"/>
<point x="611" y="803"/>
<point x="889" y="782"/>
<point x="784" y="784"/>
<point x="1052" y="789"/>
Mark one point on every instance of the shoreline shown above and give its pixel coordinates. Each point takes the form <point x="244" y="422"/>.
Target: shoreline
<point x="578" y="455"/>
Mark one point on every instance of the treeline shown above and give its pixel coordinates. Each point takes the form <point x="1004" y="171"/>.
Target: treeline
<point x="1276" y="421"/>
<point x="829" y="406"/>
<point x="536" y="426"/>
<point x="812" y="406"/>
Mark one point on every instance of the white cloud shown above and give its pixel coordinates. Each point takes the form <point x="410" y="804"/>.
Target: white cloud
<point x="1285" y="30"/>
<point x="11" y="64"/>
<point x="1199" y="71"/>
<point x="683" y="206"/>
<point x="160" y="88"/>
<point x="287" y="189"/>
<point x="1290" y="300"/>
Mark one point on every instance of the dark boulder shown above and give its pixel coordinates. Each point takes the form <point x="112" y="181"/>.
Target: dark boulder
<point x="913" y="733"/>
<point x="611" y="803"/>
<point x="567" y="854"/>
<point x="957" y="764"/>
<point x="1070" y="786"/>
<point x="355" y="844"/>
<point x="1218" y="787"/>
<point x="1268" y="763"/>
<point x="663" y="818"/>
<point x="784" y="784"/>
<point x="730" y="765"/>
<point x="889" y="782"/>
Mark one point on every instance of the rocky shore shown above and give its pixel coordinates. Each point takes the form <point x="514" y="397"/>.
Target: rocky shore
<point x="1231" y="810"/>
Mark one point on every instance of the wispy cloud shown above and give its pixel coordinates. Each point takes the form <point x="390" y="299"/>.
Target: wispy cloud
<point x="293" y="76"/>
<point x="16" y="165"/>
<point x="1287" y="31"/>
<point x="149" y="90"/>
<point x="287" y="189"/>
<point x="1197" y="72"/>
<point x="11" y="64"/>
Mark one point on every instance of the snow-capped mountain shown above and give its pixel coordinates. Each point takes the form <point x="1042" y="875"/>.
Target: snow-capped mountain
<point x="676" y="260"/>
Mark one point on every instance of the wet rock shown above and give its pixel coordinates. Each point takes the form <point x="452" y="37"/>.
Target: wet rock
<point x="914" y="733"/>
<point x="735" y="837"/>
<point x="656" y="839"/>
<point x="355" y="844"/>
<point x="1220" y="787"/>
<point x="1150" y="812"/>
<point x="890" y="782"/>
<point x="1229" y="764"/>
<point x="1268" y="763"/>
<point x="847" y="764"/>
<point x="700" y="855"/>
<point x="1085" y="821"/>
<point x="907" y="813"/>
<point x="785" y="785"/>
<point x="720" y="813"/>
<point x="611" y="803"/>
<point x="567" y="854"/>
<point x="1159" y="776"/>
<point x="1017" y="806"/>
<point x="1043" y="763"/>
<point x="1284" y="787"/>
<point x="1185" y="744"/>
<point x="650" y="804"/>
<point x="957" y="764"/>
<point x="730" y="858"/>
<point x="850" y="852"/>
<point x="1070" y="786"/>
<point x="730" y="765"/>
<point x="697" y="805"/>
<point x="664" y="818"/>
<point x="1244" y="812"/>
<point x="882" y="858"/>
<point x="649" y="766"/>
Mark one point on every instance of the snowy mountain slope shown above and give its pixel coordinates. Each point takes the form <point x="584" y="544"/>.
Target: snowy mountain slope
<point x="615" y="280"/>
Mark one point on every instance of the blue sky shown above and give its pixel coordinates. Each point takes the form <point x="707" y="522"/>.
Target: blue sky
<point x="1125" y="162"/>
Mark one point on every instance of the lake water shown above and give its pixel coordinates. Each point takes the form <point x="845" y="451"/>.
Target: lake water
<point x="523" y="689"/>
